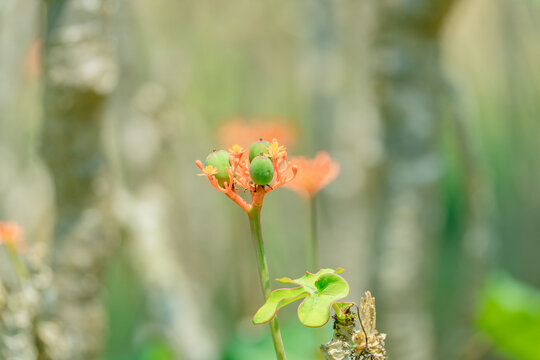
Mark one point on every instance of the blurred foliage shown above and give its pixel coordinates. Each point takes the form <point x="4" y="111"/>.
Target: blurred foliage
<point x="125" y="310"/>
<point x="509" y="314"/>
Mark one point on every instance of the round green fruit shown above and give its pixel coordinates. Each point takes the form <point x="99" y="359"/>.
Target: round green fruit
<point x="219" y="160"/>
<point x="261" y="170"/>
<point x="258" y="148"/>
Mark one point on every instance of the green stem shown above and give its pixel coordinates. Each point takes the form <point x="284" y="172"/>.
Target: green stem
<point x="312" y="260"/>
<point x="312" y="244"/>
<point x="18" y="265"/>
<point x="256" y="235"/>
<point x="339" y="313"/>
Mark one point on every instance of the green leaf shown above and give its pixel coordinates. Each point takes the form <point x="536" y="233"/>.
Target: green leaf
<point x="320" y="290"/>
<point x="510" y="315"/>
<point x="277" y="299"/>
<point x="314" y="311"/>
<point x="309" y="279"/>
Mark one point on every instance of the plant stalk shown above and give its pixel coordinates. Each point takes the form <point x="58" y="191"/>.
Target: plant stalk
<point x="16" y="262"/>
<point x="256" y="234"/>
<point x="312" y="244"/>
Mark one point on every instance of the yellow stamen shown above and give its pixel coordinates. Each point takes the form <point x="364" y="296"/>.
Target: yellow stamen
<point x="209" y="170"/>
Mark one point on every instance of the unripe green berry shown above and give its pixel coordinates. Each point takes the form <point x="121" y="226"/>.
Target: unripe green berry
<point x="258" y="148"/>
<point x="261" y="170"/>
<point x="219" y="160"/>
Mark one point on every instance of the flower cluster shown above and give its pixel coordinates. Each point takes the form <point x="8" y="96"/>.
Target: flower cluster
<point x="265" y="169"/>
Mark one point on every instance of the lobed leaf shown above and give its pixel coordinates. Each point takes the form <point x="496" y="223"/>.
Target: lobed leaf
<point x="314" y="311"/>
<point x="277" y="299"/>
<point x="320" y="290"/>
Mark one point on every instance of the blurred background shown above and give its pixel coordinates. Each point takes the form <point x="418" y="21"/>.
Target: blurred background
<point x="430" y="106"/>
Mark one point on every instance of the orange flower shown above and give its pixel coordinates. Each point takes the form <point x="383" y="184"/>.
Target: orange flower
<point x="313" y="174"/>
<point x="239" y="176"/>
<point x="11" y="234"/>
<point x="243" y="132"/>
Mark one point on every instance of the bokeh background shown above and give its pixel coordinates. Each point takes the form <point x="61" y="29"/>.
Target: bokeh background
<point x="431" y="107"/>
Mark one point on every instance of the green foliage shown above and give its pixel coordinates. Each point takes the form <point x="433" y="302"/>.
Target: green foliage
<point x="319" y="291"/>
<point x="510" y="316"/>
<point x="258" y="148"/>
<point x="261" y="170"/>
<point x="219" y="160"/>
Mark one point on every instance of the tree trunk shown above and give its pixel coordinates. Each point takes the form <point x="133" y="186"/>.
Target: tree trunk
<point x="320" y="62"/>
<point x="80" y="72"/>
<point x="410" y="86"/>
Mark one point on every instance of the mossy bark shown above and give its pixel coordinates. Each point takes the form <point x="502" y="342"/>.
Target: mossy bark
<point x="80" y="73"/>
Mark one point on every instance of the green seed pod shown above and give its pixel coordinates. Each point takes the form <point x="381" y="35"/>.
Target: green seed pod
<point x="258" y="148"/>
<point x="261" y="170"/>
<point x="219" y="160"/>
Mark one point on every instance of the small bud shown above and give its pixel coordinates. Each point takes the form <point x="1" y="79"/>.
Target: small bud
<point x="219" y="160"/>
<point x="261" y="170"/>
<point x="258" y="148"/>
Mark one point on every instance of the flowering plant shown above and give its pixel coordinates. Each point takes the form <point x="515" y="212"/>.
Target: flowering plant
<point x="260" y="170"/>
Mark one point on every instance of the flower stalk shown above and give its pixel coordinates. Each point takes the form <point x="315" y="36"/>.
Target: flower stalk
<point x="256" y="235"/>
<point x="314" y="174"/>
<point x="312" y="245"/>
<point x="16" y="262"/>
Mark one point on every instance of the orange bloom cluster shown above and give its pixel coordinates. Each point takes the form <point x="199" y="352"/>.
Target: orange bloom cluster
<point x="242" y="132"/>
<point x="239" y="177"/>
<point x="11" y="234"/>
<point x="313" y="174"/>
